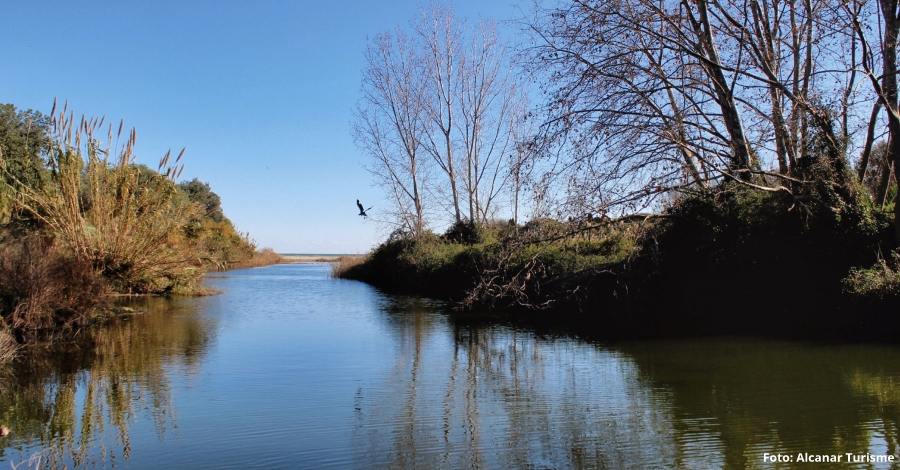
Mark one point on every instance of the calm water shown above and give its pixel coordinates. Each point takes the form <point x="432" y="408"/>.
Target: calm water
<point x="291" y="369"/>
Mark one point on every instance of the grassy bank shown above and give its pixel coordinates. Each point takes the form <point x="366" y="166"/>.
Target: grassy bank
<point x="730" y="261"/>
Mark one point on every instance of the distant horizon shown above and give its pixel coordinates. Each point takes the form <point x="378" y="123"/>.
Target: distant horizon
<point x="319" y="254"/>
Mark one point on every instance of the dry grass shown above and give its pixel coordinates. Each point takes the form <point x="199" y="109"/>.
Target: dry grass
<point x="125" y="220"/>
<point x="344" y="263"/>
<point x="265" y="257"/>
<point x="8" y="347"/>
<point x="43" y="287"/>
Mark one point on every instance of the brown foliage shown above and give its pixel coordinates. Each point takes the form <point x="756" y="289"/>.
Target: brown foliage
<point x="42" y="288"/>
<point x="344" y="264"/>
<point x="266" y="257"/>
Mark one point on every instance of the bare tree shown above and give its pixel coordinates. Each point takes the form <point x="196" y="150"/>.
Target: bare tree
<point x="525" y="152"/>
<point x="442" y="101"/>
<point x="390" y="123"/>
<point x="884" y="81"/>
<point x="439" y="34"/>
<point x="487" y="92"/>
<point x="651" y="96"/>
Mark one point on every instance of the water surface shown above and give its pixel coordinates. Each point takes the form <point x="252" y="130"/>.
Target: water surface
<point x="292" y="369"/>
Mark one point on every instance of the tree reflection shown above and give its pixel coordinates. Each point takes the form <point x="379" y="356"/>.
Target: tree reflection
<point x="470" y="393"/>
<point x="743" y="398"/>
<point x="75" y="403"/>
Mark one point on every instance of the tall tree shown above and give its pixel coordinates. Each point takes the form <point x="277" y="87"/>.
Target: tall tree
<point x="487" y="94"/>
<point x="439" y="33"/>
<point x="651" y="96"/>
<point x="390" y="124"/>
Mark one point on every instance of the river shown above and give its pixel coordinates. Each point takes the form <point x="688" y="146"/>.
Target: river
<point x="289" y="368"/>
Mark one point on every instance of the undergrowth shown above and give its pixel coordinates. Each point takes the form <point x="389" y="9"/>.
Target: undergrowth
<point x="733" y="260"/>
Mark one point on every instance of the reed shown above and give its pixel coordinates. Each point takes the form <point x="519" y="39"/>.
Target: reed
<point x="264" y="257"/>
<point x="340" y="266"/>
<point x="8" y="347"/>
<point x="124" y="219"/>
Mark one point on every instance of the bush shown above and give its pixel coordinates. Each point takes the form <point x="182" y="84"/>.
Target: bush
<point x="879" y="281"/>
<point x="465" y="232"/>
<point x="122" y="219"/>
<point x="342" y="265"/>
<point x="41" y="288"/>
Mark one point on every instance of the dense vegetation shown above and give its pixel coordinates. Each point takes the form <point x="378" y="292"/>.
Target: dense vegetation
<point x="733" y="261"/>
<point x="80" y="221"/>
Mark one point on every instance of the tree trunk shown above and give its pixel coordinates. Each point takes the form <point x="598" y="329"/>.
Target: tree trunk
<point x="724" y="94"/>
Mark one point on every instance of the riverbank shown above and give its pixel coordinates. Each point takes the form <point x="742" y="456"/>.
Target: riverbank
<point x="738" y="262"/>
<point x="80" y="223"/>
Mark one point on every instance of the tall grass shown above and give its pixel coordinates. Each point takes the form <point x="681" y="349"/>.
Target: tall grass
<point x="264" y="257"/>
<point x="340" y="266"/>
<point x="8" y="347"/>
<point x="123" y="219"/>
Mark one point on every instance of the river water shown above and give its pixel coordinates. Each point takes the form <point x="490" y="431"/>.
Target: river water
<point x="291" y="369"/>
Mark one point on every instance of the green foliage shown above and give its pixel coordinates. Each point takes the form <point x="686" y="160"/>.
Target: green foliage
<point x="135" y="226"/>
<point x="465" y="232"/>
<point x="216" y="243"/>
<point x="879" y="281"/>
<point x="202" y="194"/>
<point x="734" y="260"/>
<point x="77" y="224"/>
<point x="24" y="140"/>
<point x="451" y="268"/>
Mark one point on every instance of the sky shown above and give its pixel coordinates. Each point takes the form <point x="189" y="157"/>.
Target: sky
<point x="260" y="93"/>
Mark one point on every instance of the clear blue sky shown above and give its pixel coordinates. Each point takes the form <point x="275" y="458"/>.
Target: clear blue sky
<point x="260" y="92"/>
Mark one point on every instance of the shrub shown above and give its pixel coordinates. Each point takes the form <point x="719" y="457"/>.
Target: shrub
<point x="880" y="281"/>
<point x="465" y="232"/>
<point x="123" y="219"/>
<point x="342" y="265"/>
<point x="42" y="288"/>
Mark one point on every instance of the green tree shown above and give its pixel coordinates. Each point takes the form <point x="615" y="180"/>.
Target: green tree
<point x="24" y="140"/>
<point x="201" y="193"/>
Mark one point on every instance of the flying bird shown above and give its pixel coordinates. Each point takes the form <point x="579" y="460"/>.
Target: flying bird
<point x="362" y="211"/>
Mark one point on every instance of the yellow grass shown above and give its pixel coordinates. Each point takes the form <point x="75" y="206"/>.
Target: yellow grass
<point x="344" y="263"/>
<point x="266" y="257"/>
<point x="8" y="347"/>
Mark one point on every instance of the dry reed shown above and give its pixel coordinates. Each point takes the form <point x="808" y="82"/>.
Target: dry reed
<point x="8" y="347"/>
<point x="345" y="263"/>
<point x="122" y="218"/>
<point x="265" y="257"/>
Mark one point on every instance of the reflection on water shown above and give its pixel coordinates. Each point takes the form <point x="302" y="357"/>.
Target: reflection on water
<point x="292" y="369"/>
<point x="74" y="404"/>
<point x="495" y="397"/>
<point x="499" y="397"/>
